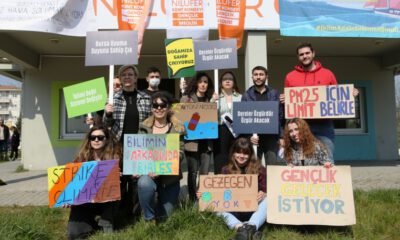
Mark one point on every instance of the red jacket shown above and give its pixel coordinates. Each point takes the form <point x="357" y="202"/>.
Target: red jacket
<point x="318" y="76"/>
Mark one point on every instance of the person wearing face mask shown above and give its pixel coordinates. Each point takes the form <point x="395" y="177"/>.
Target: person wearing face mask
<point x="154" y="79"/>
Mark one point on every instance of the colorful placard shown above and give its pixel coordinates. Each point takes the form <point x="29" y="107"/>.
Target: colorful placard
<point x="87" y="182"/>
<point x="332" y="101"/>
<point x="200" y="119"/>
<point x="256" y="117"/>
<point x="151" y="153"/>
<point x="180" y="57"/>
<point x="228" y="192"/>
<point x="217" y="54"/>
<point x="310" y="195"/>
<point x="340" y="18"/>
<point x="86" y="97"/>
<point x="111" y="48"/>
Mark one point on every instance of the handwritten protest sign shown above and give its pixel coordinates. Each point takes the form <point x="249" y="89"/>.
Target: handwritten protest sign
<point x="180" y="57"/>
<point x="218" y="54"/>
<point x="88" y="182"/>
<point x="231" y="192"/>
<point x="86" y="97"/>
<point x="256" y="117"/>
<point x="200" y="119"/>
<point x="111" y="48"/>
<point x="310" y="195"/>
<point x="333" y="101"/>
<point x="151" y="153"/>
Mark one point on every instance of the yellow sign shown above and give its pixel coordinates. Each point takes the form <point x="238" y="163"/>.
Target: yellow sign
<point x="180" y="57"/>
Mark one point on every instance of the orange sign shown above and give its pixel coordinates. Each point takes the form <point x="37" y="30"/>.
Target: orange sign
<point x="231" y="15"/>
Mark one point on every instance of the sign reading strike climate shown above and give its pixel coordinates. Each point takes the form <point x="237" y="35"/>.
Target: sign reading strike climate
<point x="231" y="192"/>
<point x="88" y="182"/>
<point x="310" y="195"/>
<point x="180" y="57"/>
<point x="86" y="97"/>
<point x="333" y="101"/>
<point x="151" y="153"/>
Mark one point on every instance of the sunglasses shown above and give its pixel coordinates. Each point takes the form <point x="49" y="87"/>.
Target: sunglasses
<point x="97" y="137"/>
<point x="160" y="105"/>
<point x="117" y="85"/>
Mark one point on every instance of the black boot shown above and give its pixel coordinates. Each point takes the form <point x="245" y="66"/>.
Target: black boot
<point x="245" y="232"/>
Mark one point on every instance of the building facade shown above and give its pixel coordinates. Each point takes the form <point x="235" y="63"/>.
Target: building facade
<point x="10" y="104"/>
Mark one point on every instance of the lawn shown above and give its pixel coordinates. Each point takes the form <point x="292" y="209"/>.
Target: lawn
<point x="378" y="217"/>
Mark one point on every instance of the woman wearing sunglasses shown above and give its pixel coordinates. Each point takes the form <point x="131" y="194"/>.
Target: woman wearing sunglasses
<point x="98" y="145"/>
<point x="166" y="186"/>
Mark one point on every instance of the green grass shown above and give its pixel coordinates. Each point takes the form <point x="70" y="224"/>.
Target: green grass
<point x="378" y="217"/>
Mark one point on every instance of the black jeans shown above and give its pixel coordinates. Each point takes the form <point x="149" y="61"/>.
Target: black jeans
<point x="268" y="146"/>
<point x="221" y="148"/>
<point x="196" y="162"/>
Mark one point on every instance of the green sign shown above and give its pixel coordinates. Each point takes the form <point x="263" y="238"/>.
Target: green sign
<point x="86" y="97"/>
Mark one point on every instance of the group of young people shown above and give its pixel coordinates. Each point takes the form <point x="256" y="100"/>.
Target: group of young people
<point x="133" y="111"/>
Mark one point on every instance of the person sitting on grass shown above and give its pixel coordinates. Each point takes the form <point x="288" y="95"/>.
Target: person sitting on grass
<point x="301" y="147"/>
<point x="165" y="187"/>
<point x="243" y="160"/>
<point x="84" y="219"/>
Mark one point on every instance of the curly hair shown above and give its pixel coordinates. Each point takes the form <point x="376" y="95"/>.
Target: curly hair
<point x="307" y="140"/>
<point x="192" y="86"/>
<point x="111" y="149"/>
<point x="244" y="146"/>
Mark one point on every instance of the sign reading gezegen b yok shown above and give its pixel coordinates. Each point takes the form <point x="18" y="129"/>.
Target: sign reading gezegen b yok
<point x="218" y="54"/>
<point x="86" y="97"/>
<point x="111" y="48"/>
<point x="151" y="153"/>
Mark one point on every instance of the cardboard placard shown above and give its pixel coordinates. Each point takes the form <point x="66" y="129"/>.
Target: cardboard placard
<point x="86" y="97"/>
<point x="111" y="48"/>
<point x="310" y="195"/>
<point x="88" y="182"/>
<point x="151" y="153"/>
<point x="217" y="54"/>
<point x="180" y="57"/>
<point x="332" y="101"/>
<point x="228" y="192"/>
<point x="200" y="119"/>
<point x="256" y="117"/>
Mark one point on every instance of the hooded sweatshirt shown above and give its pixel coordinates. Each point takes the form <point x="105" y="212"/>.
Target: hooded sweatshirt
<point x="320" y="76"/>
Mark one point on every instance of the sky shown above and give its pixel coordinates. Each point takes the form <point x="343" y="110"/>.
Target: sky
<point x="8" y="81"/>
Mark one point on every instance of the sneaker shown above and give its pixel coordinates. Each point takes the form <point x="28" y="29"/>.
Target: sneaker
<point x="245" y="232"/>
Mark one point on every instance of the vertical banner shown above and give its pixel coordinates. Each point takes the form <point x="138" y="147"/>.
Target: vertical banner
<point x="151" y="153"/>
<point x="180" y="57"/>
<point x="333" y="101"/>
<point x="133" y="15"/>
<point x="310" y="195"/>
<point x="88" y="182"/>
<point x="186" y="19"/>
<point x="228" y="192"/>
<point x="231" y="16"/>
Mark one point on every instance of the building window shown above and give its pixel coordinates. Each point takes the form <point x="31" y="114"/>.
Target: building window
<point x="71" y="128"/>
<point x="355" y="125"/>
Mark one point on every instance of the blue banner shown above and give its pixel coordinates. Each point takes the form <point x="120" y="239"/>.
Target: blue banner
<point x="340" y="18"/>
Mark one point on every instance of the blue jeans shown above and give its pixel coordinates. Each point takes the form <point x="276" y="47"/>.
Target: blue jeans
<point x="257" y="218"/>
<point x="166" y="199"/>
<point x="329" y="144"/>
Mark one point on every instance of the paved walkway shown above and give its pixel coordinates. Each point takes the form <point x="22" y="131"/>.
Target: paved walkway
<point x="30" y="188"/>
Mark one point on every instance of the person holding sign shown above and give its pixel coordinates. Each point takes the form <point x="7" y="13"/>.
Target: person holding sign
<point x="98" y="145"/>
<point x="243" y="160"/>
<point x="302" y="148"/>
<point x="165" y="187"/>
<point x="198" y="152"/>
<point x="123" y="117"/>
<point x="229" y="93"/>
<point x="267" y="144"/>
<point x="310" y="72"/>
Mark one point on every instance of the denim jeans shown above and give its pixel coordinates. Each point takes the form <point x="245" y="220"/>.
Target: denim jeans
<point x="257" y="218"/>
<point x="329" y="144"/>
<point x="167" y="197"/>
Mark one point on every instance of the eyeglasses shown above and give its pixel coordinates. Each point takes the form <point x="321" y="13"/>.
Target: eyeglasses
<point x="117" y="85"/>
<point x="97" y="137"/>
<point x="227" y="79"/>
<point x="160" y="105"/>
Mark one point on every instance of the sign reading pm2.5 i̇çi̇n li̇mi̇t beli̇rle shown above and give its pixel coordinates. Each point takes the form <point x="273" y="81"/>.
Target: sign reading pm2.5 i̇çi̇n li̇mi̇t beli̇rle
<point x="217" y="54"/>
<point x="228" y="192"/>
<point x="332" y="101"/>
<point x="86" y="97"/>
<point x="311" y="195"/>
<point x="151" y="153"/>
<point x="87" y="182"/>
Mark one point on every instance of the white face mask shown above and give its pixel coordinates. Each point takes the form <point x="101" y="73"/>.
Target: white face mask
<point x="154" y="82"/>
